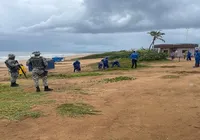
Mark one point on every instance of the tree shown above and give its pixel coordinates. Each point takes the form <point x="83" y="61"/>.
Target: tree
<point x="156" y="35"/>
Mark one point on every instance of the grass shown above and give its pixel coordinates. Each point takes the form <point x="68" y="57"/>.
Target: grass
<point x="117" y="79"/>
<point x="16" y="104"/>
<point x="76" y="109"/>
<point x="63" y="76"/>
<point x="70" y="89"/>
<point x="170" y="77"/>
<point x="74" y="75"/>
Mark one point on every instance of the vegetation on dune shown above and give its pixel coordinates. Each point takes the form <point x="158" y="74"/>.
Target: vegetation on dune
<point x="144" y="55"/>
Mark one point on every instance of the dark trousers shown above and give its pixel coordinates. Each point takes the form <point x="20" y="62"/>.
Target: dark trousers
<point x="189" y="58"/>
<point x="77" y="69"/>
<point x="134" y="63"/>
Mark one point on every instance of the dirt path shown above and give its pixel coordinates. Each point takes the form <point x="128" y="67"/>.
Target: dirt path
<point x="148" y="108"/>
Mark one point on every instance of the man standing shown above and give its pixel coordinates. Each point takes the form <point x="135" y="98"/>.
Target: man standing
<point x="197" y="58"/>
<point x="189" y="56"/>
<point x="13" y="68"/>
<point x="39" y="65"/>
<point x="134" y="56"/>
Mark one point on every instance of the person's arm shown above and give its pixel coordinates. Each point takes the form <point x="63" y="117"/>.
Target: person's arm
<point x="45" y="62"/>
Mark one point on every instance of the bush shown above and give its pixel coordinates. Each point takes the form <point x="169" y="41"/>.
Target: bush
<point x="145" y="55"/>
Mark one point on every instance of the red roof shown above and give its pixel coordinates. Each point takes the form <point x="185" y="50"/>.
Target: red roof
<point x="163" y="46"/>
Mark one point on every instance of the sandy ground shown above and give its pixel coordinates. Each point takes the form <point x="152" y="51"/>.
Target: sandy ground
<point x="148" y="108"/>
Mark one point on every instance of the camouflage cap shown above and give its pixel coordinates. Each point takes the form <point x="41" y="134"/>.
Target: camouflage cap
<point x="36" y="53"/>
<point x="11" y="56"/>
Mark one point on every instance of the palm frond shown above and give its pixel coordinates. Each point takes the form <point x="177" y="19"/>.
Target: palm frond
<point x="161" y="39"/>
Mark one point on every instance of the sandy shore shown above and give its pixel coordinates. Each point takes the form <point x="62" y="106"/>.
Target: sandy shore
<point x="60" y="67"/>
<point x="3" y="66"/>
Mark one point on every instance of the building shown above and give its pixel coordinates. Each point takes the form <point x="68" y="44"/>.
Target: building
<point x="180" y="48"/>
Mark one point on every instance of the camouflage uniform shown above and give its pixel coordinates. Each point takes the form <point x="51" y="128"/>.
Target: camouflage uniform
<point x="13" y="68"/>
<point x="39" y="64"/>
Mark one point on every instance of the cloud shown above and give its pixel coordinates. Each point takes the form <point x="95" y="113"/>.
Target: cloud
<point x="95" y="25"/>
<point x="111" y="16"/>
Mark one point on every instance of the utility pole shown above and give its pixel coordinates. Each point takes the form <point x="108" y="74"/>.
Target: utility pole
<point x="187" y="34"/>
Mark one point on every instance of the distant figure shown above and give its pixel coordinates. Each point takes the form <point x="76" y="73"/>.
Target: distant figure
<point x="178" y="55"/>
<point x="105" y="63"/>
<point x="172" y="55"/>
<point x="39" y="65"/>
<point x="189" y="56"/>
<point x="134" y="56"/>
<point x="185" y="54"/>
<point x="13" y="68"/>
<point x="197" y="58"/>
<point x="115" y="63"/>
<point x="100" y="65"/>
<point x="77" y="66"/>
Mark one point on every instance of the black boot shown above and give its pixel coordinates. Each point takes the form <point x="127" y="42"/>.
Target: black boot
<point x="14" y="84"/>
<point x="46" y="88"/>
<point x="37" y="89"/>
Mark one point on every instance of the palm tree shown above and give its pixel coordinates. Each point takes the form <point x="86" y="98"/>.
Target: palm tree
<point x="156" y="35"/>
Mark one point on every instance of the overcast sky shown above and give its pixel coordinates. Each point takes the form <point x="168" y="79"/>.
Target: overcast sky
<point x="95" y="25"/>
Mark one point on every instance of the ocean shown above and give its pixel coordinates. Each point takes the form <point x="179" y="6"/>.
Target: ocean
<point x="27" y="55"/>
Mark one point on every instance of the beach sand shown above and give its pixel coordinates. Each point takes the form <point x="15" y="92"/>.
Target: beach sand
<point x="152" y="107"/>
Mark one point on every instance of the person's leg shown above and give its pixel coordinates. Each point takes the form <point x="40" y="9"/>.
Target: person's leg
<point x="135" y="63"/>
<point x="36" y="81"/>
<point x="45" y="83"/>
<point x="14" y="76"/>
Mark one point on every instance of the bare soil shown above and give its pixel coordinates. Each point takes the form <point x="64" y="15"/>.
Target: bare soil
<point x="148" y="108"/>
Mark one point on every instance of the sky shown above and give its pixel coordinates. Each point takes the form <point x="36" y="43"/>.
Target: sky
<point x="95" y="25"/>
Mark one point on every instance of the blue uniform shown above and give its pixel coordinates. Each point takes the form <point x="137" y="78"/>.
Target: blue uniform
<point x="134" y="56"/>
<point x="105" y="63"/>
<point x="115" y="63"/>
<point x="197" y="58"/>
<point x="189" y="56"/>
<point x="77" y="66"/>
<point x="100" y="65"/>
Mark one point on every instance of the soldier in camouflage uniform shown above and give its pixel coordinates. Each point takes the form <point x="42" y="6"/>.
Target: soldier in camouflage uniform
<point x="13" y="68"/>
<point x="39" y="65"/>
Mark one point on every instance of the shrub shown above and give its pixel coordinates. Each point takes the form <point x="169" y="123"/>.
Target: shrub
<point x="145" y="55"/>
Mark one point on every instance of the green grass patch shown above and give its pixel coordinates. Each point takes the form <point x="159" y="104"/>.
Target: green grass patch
<point x="76" y="109"/>
<point x="74" y="75"/>
<point x="15" y="103"/>
<point x="170" y="77"/>
<point x="117" y="79"/>
<point x="169" y="66"/>
<point x="70" y="89"/>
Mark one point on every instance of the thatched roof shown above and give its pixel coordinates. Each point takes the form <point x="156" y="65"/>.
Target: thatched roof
<point x="167" y="46"/>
